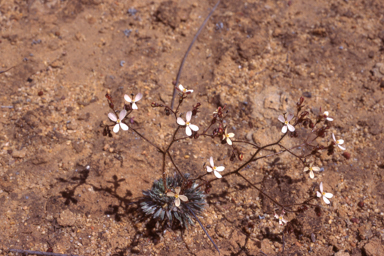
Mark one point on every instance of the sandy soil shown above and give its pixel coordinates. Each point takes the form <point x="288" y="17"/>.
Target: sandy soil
<point x="66" y="188"/>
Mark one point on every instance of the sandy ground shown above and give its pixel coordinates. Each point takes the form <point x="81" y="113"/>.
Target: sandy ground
<point x="66" y="188"/>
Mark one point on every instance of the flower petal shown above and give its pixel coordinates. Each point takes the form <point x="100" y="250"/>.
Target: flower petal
<point x="190" y="91"/>
<point x="127" y="98"/>
<point x="318" y="194"/>
<point x="218" y="175"/>
<point x="291" y="128"/>
<point x="211" y="162"/>
<point x="281" y="118"/>
<point x="138" y="97"/>
<point x="229" y="141"/>
<point x="209" y="169"/>
<point x="316" y="169"/>
<point x="189" y="116"/>
<point x="311" y="175"/>
<point x="326" y="113"/>
<point x="124" y="126"/>
<point x="116" y="128"/>
<point x="134" y="106"/>
<point x="183" y="198"/>
<point x="333" y="136"/>
<point x="181" y="88"/>
<point x="194" y="127"/>
<point x="340" y="142"/>
<point x="180" y="121"/>
<point x="177" y="202"/>
<point x="329" y="119"/>
<point x="122" y="114"/>
<point x="177" y="190"/>
<point x="170" y="194"/>
<point x="283" y="220"/>
<point x="328" y="195"/>
<point x="289" y="117"/>
<point x="188" y="130"/>
<point x="112" y="116"/>
<point x="284" y="129"/>
<point x="220" y="168"/>
<point x="321" y="187"/>
<point x="341" y="147"/>
<point x="326" y="200"/>
<point x="306" y="169"/>
<point x="231" y="135"/>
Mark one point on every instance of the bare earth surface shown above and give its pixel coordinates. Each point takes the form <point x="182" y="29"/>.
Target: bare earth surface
<point x="65" y="186"/>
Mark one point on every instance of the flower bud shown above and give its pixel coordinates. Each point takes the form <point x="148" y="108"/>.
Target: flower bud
<point x="241" y="156"/>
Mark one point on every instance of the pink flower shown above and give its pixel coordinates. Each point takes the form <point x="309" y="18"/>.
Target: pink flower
<point x="119" y="124"/>
<point x="281" y="218"/>
<point x="215" y="169"/>
<point x="188" y="126"/>
<point x="227" y="136"/>
<point x="325" y="195"/>
<point x="311" y="170"/>
<point x="286" y="123"/>
<point x="338" y="142"/>
<point x="136" y="99"/>
<point x="184" y="90"/>
<point x="326" y="115"/>
<point x="178" y="196"/>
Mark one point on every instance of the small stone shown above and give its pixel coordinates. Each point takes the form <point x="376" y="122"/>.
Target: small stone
<point x="341" y="253"/>
<point x="72" y="125"/>
<point x="374" y="248"/>
<point x="106" y="147"/>
<point x="67" y="218"/>
<point x="19" y="153"/>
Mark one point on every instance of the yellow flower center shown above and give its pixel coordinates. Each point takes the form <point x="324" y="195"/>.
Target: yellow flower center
<point x="214" y="167"/>
<point x="176" y="196"/>
<point x="184" y="90"/>
<point x="338" y="142"/>
<point x="118" y="121"/>
<point x="323" y="193"/>
<point x="187" y="123"/>
<point x="310" y="168"/>
<point x="286" y="122"/>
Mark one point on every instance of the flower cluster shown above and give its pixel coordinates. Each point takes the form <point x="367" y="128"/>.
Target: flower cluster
<point x="320" y="131"/>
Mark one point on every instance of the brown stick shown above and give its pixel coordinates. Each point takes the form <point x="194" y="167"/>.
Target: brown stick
<point x="189" y="49"/>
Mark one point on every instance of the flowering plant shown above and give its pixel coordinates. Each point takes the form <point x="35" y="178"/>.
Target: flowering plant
<point x="178" y="199"/>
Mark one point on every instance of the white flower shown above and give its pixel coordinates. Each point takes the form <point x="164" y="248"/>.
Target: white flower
<point x="311" y="170"/>
<point x="184" y="90"/>
<point x="281" y="218"/>
<point x="215" y="169"/>
<point x="326" y="115"/>
<point x="177" y="196"/>
<point x="227" y="136"/>
<point x="137" y="98"/>
<point x="286" y="123"/>
<point x="338" y="142"/>
<point x="188" y="125"/>
<point x="325" y="195"/>
<point x="119" y="124"/>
